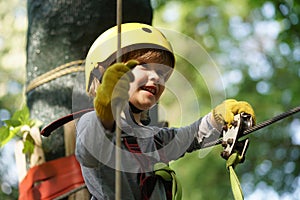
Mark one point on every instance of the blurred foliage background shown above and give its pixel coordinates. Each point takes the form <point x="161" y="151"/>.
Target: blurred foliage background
<point x="256" y="46"/>
<point x="13" y="27"/>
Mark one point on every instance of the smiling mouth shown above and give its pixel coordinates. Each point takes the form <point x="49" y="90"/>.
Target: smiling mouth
<point x="150" y="89"/>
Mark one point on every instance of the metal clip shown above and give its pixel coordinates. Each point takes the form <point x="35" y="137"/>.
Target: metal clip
<point x="230" y="136"/>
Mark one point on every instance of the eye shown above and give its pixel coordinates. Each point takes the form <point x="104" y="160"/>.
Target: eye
<point x="164" y="73"/>
<point x="161" y="73"/>
<point x="144" y="66"/>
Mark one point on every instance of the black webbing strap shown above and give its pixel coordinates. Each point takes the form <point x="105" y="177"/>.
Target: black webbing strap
<point x="47" y="130"/>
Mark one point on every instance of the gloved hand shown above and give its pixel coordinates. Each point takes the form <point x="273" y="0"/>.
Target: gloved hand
<point x="116" y="75"/>
<point x="224" y="113"/>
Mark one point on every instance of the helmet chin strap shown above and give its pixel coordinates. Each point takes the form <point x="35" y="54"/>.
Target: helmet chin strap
<point x="145" y="121"/>
<point x="134" y="109"/>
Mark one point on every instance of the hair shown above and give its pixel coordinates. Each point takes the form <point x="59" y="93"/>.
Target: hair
<point x="150" y="55"/>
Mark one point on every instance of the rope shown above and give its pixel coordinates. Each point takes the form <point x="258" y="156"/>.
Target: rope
<point x="118" y="130"/>
<point x="68" y="68"/>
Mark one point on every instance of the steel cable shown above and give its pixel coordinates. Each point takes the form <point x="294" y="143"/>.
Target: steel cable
<point x="258" y="126"/>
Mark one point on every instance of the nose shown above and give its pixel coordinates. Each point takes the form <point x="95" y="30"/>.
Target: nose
<point x="155" y="77"/>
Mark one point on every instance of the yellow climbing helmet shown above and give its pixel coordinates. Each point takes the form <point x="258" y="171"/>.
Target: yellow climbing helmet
<point x="135" y="35"/>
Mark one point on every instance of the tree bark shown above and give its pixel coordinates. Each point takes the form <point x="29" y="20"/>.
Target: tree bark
<point x="61" y="31"/>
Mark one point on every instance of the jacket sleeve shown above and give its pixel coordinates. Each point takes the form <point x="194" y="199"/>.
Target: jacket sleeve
<point x="208" y="132"/>
<point x="177" y="141"/>
<point x="93" y="142"/>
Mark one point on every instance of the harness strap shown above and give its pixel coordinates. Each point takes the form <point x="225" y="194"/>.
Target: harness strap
<point x="167" y="174"/>
<point x="162" y="170"/>
<point x="232" y="161"/>
<point x="132" y="145"/>
<point x="47" y="130"/>
<point x="51" y="179"/>
<point x="146" y="183"/>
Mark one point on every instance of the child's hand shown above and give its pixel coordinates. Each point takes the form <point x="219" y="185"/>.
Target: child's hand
<point x="223" y="114"/>
<point x="114" y="87"/>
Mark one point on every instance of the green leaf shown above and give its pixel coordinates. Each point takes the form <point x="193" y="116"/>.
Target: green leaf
<point x="13" y="126"/>
<point x="6" y="134"/>
<point x="23" y="115"/>
<point x="12" y="122"/>
<point x="28" y="145"/>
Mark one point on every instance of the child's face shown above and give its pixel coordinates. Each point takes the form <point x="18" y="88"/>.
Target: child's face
<point x="148" y="85"/>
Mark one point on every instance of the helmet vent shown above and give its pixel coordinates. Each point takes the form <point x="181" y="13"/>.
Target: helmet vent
<point x="146" y="30"/>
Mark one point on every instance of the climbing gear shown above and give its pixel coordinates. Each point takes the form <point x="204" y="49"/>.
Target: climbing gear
<point x="52" y="179"/>
<point x="256" y="127"/>
<point x="224" y="113"/>
<point x="234" y="150"/>
<point x="167" y="174"/>
<point x="235" y="146"/>
<point x="173" y="187"/>
<point x="231" y="135"/>
<point x="160" y="169"/>
<point x="234" y="155"/>
<point x="114" y="87"/>
<point x="134" y="35"/>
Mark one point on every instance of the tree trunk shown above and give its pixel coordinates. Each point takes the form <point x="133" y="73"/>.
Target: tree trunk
<point x="61" y="31"/>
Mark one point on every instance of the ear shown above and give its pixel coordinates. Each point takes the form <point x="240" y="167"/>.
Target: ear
<point x="98" y="72"/>
<point x="93" y="87"/>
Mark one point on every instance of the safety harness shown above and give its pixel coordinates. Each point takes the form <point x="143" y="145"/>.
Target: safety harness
<point x="41" y="178"/>
<point x="147" y="183"/>
<point x="57" y="178"/>
<point x="160" y="171"/>
<point x="53" y="179"/>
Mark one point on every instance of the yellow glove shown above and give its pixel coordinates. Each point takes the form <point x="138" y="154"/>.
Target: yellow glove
<point x="118" y="74"/>
<point x="224" y="113"/>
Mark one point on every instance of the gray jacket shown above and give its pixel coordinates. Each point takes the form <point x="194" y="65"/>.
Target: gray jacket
<point x="95" y="151"/>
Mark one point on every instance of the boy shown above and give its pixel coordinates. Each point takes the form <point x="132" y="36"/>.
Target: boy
<point x="147" y="63"/>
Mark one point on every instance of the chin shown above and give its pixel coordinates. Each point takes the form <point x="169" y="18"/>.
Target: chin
<point x="147" y="106"/>
<point x="143" y="103"/>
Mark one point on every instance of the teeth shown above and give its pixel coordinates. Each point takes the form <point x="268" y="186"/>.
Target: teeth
<point x="149" y="89"/>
